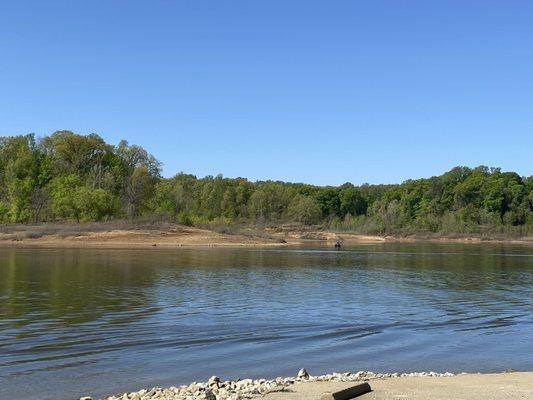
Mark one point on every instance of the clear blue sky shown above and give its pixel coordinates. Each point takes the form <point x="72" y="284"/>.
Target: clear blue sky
<point x="321" y="92"/>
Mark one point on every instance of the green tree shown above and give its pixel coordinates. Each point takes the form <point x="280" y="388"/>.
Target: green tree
<point x="329" y="202"/>
<point x="138" y="189"/>
<point x="352" y="201"/>
<point x="139" y="172"/>
<point x="64" y="190"/>
<point x="20" y="161"/>
<point x="269" y="201"/>
<point x="93" y="204"/>
<point x="305" y="210"/>
<point x="87" y="156"/>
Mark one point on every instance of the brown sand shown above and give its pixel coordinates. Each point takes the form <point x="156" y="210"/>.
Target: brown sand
<point x="174" y="237"/>
<point x="177" y="236"/>
<point x="504" y="386"/>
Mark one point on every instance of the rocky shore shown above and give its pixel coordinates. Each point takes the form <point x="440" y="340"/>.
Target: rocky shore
<point x="216" y="389"/>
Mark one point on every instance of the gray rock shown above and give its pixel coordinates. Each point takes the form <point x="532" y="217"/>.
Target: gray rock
<point x="214" y="382"/>
<point x="215" y="389"/>
<point x="209" y="395"/>
<point x="302" y="374"/>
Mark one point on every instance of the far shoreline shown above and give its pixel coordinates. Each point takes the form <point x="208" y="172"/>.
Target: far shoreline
<point x="105" y="235"/>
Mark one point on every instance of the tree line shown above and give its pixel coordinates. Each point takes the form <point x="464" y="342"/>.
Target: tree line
<point x="72" y="177"/>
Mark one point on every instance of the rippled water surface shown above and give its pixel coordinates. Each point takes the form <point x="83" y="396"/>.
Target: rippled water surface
<point x="80" y="321"/>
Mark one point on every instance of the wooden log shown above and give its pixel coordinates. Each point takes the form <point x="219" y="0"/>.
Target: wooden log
<point x="348" y="393"/>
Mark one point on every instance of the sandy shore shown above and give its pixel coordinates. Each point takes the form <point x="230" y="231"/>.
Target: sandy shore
<point x="505" y="386"/>
<point x="177" y="236"/>
<point x="122" y="238"/>
<point x="413" y="386"/>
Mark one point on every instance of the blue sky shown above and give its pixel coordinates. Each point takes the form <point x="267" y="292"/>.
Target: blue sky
<point x="320" y="92"/>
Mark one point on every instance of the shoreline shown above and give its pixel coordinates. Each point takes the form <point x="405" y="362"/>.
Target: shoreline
<point x="414" y="385"/>
<point x="175" y="236"/>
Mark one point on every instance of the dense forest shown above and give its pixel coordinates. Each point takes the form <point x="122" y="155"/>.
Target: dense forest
<point x="71" y="177"/>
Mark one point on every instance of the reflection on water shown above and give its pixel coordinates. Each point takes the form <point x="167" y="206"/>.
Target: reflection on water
<point x="76" y="321"/>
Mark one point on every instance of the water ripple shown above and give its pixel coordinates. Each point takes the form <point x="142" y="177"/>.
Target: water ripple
<point x="82" y="319"/>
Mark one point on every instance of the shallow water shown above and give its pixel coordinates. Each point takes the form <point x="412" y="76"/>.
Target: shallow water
<point x="80" y="321"/>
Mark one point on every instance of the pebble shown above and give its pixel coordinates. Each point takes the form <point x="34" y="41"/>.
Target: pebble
<point x="215" y="389"/>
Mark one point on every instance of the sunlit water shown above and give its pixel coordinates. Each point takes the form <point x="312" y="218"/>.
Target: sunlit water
<point x="98" y="322"/>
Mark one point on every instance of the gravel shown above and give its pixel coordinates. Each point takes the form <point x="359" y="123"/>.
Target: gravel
<point x="240" y="389"/>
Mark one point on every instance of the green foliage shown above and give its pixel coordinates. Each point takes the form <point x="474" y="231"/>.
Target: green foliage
<point x="93" y="204"/>
<point x="64" y="190"/>
<point x="68" y="176"/>
<point x="4" y="212"/>
<point x="19" y="195"/>
<point x="352" y="201"/>
<point x="305" y="210"/>
<point x="20" y="162"/>
<point x="77" y="154"/>
<point x="269" y="201"/>
<point x="329" y="201"/>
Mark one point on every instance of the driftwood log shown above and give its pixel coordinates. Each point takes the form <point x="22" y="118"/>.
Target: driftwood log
<point x="348" y="393"/>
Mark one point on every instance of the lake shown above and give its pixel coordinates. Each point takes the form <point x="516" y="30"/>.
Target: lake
<point x="97" y="322"/>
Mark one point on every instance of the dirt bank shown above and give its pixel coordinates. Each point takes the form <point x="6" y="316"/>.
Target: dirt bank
<point x="172" y="235"/>
<point x="175" y="236"/>
<point x="95" y="235"/>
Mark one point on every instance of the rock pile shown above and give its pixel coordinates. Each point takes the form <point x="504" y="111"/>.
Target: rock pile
<point x="241" y="389"/>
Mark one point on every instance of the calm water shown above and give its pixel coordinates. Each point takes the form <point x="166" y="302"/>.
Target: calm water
<point x="94" y="322"/>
